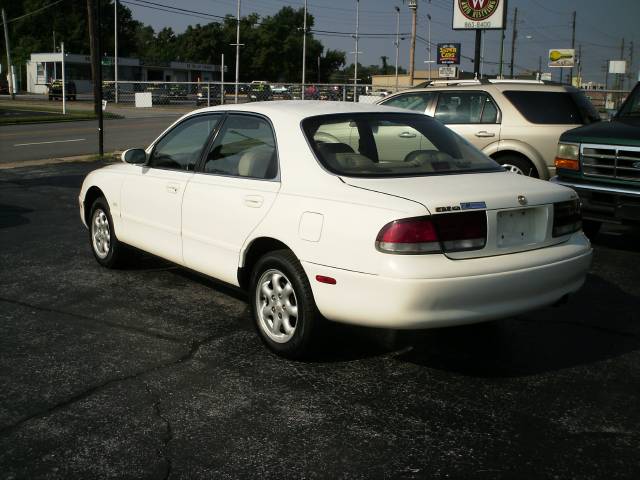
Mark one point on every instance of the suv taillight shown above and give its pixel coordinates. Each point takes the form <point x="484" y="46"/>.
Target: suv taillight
<point x="448" y="232"/>
<point x="566" y="218"/>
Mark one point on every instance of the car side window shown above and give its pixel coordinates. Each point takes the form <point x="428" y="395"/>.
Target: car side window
<point x="466" y="107"/>
<point x="411" y="101"/>
<point x="245" y="147"/>
<point x="180" y="149"/>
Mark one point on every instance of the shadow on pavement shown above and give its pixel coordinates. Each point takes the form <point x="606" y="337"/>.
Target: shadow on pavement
<point x="13" y="216"/>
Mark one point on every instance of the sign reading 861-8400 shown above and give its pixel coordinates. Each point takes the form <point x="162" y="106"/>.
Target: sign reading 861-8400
<point x="478" y="14"/>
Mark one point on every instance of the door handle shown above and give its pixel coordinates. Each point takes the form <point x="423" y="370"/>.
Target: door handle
<point x="485" y="134"/>
<point x="172" y="187"/>
<point x="407" y="135"/>
<point x="253" y="201"/>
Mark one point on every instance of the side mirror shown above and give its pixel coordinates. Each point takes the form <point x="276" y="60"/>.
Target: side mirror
<point x="134" y="156"/>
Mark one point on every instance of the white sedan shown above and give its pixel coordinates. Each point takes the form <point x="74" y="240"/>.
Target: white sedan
<point x="360" y="214"/>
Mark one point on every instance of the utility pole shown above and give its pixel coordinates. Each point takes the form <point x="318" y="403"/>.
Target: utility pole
<point x="539" y="67"/>
<point x="355" y="67"/>
<point x="630" y="74"/>
<point x="501" y="52"/>
<point x="413" y="6"/>
<point x="579" y="79"/>
<point x="115" y="48"/>
<point x="237" y="45"/>
<point x="513" y="38"/>
<point x="221" y="80"/>
<point x="64" y="80"/>
<point x="476" y="56"/>
<point x="397" y="42"/>
<point x="573" y="45"/>
<point x="621" y="76"/>
<point x="304" y="47"/>
<point x="93" y="12"/>
<point x="12" y="87"/>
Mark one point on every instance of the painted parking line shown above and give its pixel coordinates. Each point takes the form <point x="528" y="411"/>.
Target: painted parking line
<point x="53" y="141"/>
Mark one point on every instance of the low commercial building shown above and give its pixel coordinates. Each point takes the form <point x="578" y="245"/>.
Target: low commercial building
<point x="42" y="68"/>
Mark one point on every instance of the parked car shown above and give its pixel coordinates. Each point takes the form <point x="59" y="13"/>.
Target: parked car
<point x="55" y="90"/>
<point x="205" y="96"/>
<point x="322" y="210"/>
<point x="515" y="122"/>
<point x="160" y="93"/>
<point x="260" y="91"/>
<point x="602" y="163"/>
<point x="281" y="92"/>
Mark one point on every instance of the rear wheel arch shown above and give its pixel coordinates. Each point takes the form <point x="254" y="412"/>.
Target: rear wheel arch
<point x="503" y="157"/>
<point x="254" y="251"/>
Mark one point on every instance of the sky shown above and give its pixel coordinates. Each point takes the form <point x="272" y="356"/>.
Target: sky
<point x="542" y="25"/>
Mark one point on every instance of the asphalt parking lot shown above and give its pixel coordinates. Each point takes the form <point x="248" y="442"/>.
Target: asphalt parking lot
<point x="154" y="372"/>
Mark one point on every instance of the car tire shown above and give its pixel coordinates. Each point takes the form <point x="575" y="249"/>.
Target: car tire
<point x="284" y="310"/>
<point x="106" y="248"/>
<point x="591" y="228"/>
<point x="518" y="165"/>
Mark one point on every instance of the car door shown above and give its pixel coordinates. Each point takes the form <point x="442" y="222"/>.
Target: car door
<point x="151" y="196"/>
<point x="229" y="195"/>
<point x="472" y="114"/>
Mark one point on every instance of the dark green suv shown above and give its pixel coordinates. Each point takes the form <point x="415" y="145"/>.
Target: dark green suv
<point x="601" y="162"/>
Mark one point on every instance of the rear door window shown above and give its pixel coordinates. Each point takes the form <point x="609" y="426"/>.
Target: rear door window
<point x="466" y="108"/>
<point x="418" y="101"/>
<point x="549" y="108"/>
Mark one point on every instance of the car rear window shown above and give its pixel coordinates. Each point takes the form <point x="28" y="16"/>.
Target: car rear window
<point x="553" y="108"/>
<point x="391" y="145"/>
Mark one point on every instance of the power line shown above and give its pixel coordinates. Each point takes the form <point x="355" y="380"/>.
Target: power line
<point x="35" y="11"/>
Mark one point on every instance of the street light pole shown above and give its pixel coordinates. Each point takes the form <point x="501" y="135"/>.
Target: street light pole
<point x="115" y="48"/>
<point x="304" y="47"/>
<point x="429" y="43"/>
<point x="237" y="44"/>
<point x="397" y="42"/>
<point x="355" y="69"/>
<point x="64" y="80"/>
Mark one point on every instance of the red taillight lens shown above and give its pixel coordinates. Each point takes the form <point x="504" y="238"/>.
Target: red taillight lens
<point x="409" y="235"/>
<point x="449" y="232"/>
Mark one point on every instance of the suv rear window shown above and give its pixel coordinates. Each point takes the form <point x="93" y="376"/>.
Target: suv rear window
<point x="553" y="108"/>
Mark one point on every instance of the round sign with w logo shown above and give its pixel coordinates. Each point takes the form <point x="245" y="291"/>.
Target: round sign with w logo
<point x="478" y="10"/>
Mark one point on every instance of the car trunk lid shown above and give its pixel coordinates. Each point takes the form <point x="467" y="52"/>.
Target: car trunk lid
<point x="519" y="209"/>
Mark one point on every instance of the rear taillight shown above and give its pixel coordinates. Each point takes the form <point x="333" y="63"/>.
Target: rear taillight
<point x="566" y="218"/>
<point x="448" y="232"/>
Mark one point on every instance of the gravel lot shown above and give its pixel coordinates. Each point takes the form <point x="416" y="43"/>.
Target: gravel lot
<point x="154" y="372"/>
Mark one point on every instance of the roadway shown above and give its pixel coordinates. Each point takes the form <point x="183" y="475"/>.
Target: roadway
<point x="68" y="139"/>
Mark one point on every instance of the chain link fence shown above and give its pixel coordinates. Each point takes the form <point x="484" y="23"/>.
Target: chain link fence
<point x="205" y="94"/>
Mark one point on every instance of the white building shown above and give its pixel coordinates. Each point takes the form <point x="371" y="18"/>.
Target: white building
<point x="42" y="68"/>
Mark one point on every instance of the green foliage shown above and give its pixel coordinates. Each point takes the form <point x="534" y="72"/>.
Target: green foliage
<point x="272" y="45"/>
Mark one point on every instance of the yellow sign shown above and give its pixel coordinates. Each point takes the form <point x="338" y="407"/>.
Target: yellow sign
<point x="562" y="57"/>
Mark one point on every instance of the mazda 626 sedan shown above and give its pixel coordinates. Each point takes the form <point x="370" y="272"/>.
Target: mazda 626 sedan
<point x="360" y="214"/>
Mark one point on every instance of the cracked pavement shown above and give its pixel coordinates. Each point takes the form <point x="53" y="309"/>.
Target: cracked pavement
<point x="154" y="372"/>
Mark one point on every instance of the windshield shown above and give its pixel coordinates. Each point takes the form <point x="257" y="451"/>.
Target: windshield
<point x="631" y="107"/>
<point x="391" y="145"/>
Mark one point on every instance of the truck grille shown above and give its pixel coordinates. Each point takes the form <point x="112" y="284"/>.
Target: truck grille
<point x="611" y="162"/>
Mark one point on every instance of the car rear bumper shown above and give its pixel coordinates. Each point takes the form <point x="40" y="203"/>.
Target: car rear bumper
<point x="606" y="203"/>
<point x="377" y="301"/>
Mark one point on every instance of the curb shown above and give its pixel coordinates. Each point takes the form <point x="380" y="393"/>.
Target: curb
<point x="108" y="158"/>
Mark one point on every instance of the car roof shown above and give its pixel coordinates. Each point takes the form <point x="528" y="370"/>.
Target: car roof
<point x="301" y="109"/>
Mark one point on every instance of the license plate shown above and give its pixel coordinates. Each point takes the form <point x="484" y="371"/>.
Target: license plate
<point x="520" y="227"/>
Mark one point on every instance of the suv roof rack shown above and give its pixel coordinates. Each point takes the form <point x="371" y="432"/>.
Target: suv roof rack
<point x="481" y="81"/>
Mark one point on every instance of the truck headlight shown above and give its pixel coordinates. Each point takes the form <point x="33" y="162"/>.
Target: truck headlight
<point x="568" y="156"/>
